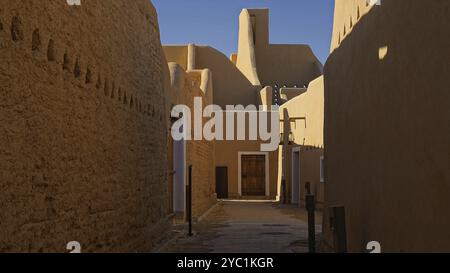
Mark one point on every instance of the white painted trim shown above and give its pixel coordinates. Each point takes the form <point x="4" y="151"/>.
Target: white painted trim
<point x="296" y="150"/>
<point x="266" y="154"/>
<point x="179" y="178"/>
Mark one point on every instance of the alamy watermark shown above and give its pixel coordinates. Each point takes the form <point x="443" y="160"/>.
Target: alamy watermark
<point x="236" y="122"/>
<point x="74" y="247"/>
<point x="374" y="2"/>
<point x="78" y="2"/>
<point x="74" y="2"/>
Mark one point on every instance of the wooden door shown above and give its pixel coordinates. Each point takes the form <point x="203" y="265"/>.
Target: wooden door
<point x="222" y="182"/>
<point x="253" y="171"/>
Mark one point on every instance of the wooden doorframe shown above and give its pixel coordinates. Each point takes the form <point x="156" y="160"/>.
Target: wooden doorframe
<point x="179" y="178"/>
<point x="266" y="156"/>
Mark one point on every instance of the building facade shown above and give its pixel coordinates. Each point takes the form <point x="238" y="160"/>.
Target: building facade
<point x="387" y="116"/>
<point x="301" y="155"/>
<point x="185" y="87"/>
<point x="82" y="157"/>
<point x="254" y="76"/>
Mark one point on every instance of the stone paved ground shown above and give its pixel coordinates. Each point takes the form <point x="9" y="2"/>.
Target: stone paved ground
<point x="248" y="227"/>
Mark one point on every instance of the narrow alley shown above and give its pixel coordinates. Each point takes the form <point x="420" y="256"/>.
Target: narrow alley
<point x="247" y="227"/>
<point x="121" y="121"/>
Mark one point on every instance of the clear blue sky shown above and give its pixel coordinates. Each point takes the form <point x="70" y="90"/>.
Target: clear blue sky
<point x="215" y="22"/>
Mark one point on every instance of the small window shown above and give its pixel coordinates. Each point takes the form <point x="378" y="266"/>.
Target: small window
<point x="322" y="172"/>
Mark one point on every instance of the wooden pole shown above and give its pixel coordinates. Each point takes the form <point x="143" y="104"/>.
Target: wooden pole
<point x="190" y="202"/>
<point x="311" y="208"/>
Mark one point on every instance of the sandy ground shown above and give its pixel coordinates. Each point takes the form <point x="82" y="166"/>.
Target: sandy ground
<point x="248" y="227"/>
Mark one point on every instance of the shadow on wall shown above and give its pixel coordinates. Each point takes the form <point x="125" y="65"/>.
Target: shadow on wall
<point x="288" y="65"/>
<point x="387" y="116"/>
<point x="230" y="86"/>
<point x="301" y="168"/>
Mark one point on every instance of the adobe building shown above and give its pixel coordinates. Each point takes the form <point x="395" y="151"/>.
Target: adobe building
<point x="253" y="76"/>
<point x="82" y="153"/>
<point x="184" y="87"/>
<point x="301" y="158"/>
<point x="387" y="117"/>
<point x="266" y="64"/>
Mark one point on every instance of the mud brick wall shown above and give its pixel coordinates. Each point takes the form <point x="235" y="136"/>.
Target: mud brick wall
<point x="200" y="153"/>
<point x="83" y="134"/>
<point x="387" y="126"/>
